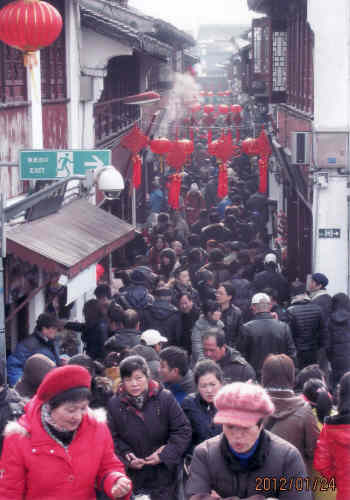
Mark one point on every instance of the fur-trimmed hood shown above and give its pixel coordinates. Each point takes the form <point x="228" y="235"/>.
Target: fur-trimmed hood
<point x="23" y="426"/>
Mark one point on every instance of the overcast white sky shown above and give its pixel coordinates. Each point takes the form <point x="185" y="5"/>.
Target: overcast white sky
<point x="189" y="14"/>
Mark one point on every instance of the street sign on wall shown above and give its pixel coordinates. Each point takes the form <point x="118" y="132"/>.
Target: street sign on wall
<point x="47" y="164"/>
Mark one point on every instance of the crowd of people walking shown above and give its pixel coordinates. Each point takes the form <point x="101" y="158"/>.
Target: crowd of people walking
<point x="220" y="379"/>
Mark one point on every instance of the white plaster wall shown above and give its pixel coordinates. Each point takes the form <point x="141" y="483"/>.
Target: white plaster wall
<point x="98" y="49"/>
<point x="331" y="254"/>
<point x="330" y="22"/>
<point x="72" y="26"/>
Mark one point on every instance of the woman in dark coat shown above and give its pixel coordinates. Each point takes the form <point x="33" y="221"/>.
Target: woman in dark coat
<point x="94" y="331"/>
<point x="199" y="407"/>
<point x="150" y="430"/>
<point x="339" y="336"/>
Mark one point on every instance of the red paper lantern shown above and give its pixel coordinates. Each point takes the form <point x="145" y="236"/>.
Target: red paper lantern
<point x="250" y="146"/>
<point x="221" y="93"/>
<point x="160" y="146"/>
<point x="186" y="145"/>
<point x="228" y="92"/>
<point x="236" y="108"/>
<point x="203" y="93"/>
<point x="223" y="109"/>
<point x="29" y="25"/>
<point x="209" y="108"/>
<point x="177" y="156"/>
<point x="210" y="93"/>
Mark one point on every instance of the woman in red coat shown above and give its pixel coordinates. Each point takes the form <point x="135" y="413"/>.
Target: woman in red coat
<point x="332" y="455"/>
<point x="60" y="449"/>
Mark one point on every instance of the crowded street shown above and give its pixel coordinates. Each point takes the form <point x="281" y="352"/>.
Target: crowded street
<point x="174" y="235"/>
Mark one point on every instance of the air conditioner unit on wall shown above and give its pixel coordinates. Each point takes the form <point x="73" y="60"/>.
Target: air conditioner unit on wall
<point x="301" y="148"/>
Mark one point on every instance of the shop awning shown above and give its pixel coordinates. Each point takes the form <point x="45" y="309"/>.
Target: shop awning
<point x="71" y="240"/>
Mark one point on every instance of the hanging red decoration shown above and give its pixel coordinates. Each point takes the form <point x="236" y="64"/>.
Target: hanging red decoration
<point x="134" y="141"/>
<point x="222" y="181"/>
<point x="210" y="93"/>
<point x="208" y="108"/>
<point x="264" y="153"/>
<point x="223" y="109"/>
<point x="160" y="146"/>
<point x="29" y="25"/>
<point x="250" y="146"/>
<point x="174" y="191"/>
<point x="203" y="93"/>
<point x="187" y="145"/>
<point x="221" y="93"/>
<point x="136" y="172"/>
<point x="177" y="156"/>
<point x="228" y="92"/>
<point x="236" y="108"/>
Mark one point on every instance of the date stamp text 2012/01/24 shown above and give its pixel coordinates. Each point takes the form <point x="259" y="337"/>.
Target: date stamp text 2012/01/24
<point x="294" y="484"/>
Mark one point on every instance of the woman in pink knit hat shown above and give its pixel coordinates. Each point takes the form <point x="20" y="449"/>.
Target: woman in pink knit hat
<point x="246" y="461"/>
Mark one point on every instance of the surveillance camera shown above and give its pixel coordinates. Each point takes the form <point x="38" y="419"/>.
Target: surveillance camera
<point x="110" y="181"/>
<point x="112" y="195"/>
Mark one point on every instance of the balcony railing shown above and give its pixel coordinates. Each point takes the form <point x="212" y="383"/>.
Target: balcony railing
<point x="113" y="118"/>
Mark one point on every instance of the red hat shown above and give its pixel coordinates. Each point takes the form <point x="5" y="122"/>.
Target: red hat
<point x="243" y="404"/>
<point x="62" y="379"/>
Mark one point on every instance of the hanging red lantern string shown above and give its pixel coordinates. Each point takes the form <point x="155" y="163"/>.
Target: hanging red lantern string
<point x="264" y="153"/>
<point x="29" y="25"/>
<point x="222" y="181"/>
<point x="250" y="146"/>
<point x="161" y="147"/>
<point x="134" y="141"/>
<point x="174" y="191"/>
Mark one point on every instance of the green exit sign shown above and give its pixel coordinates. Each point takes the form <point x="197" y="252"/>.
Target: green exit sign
<point x="48" y="164"/>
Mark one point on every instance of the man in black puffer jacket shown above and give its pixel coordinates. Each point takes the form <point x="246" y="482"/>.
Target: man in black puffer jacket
<point x="264" y="335"/>
<point x="308" y="326"/>
<point x="163" y="316"/>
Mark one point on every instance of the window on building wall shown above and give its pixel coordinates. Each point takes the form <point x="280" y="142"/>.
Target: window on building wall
<point x="53" y="65"/>
<point x="279" y="61"/>
<point x="257" y="49"/>
<point x="13" y="75"/>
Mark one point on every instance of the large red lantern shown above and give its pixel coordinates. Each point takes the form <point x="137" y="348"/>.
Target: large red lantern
<point x="250" y="146"/>
<point x="160" y="146"/>
<point x="208" y="108"/>
<point x="236" y="108"/>
<point x="186" y="145"/>
<point x="223" y="109"/>
<point x="210" y="93"/>
<point x="29" y="25"/>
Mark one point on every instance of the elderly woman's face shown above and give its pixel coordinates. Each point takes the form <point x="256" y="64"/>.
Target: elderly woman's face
<point x="208" y="386"/>
<point x="68" y="415"/>
<point x="136" y="384"/>
<point x="240" y="438"/>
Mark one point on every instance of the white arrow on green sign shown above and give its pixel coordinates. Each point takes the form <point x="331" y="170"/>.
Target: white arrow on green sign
<point x="47" y="164"/>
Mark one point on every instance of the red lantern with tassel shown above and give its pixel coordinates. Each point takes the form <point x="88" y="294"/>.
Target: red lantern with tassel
<point x="29" y="25"/>
<point x="134" y="141"/>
